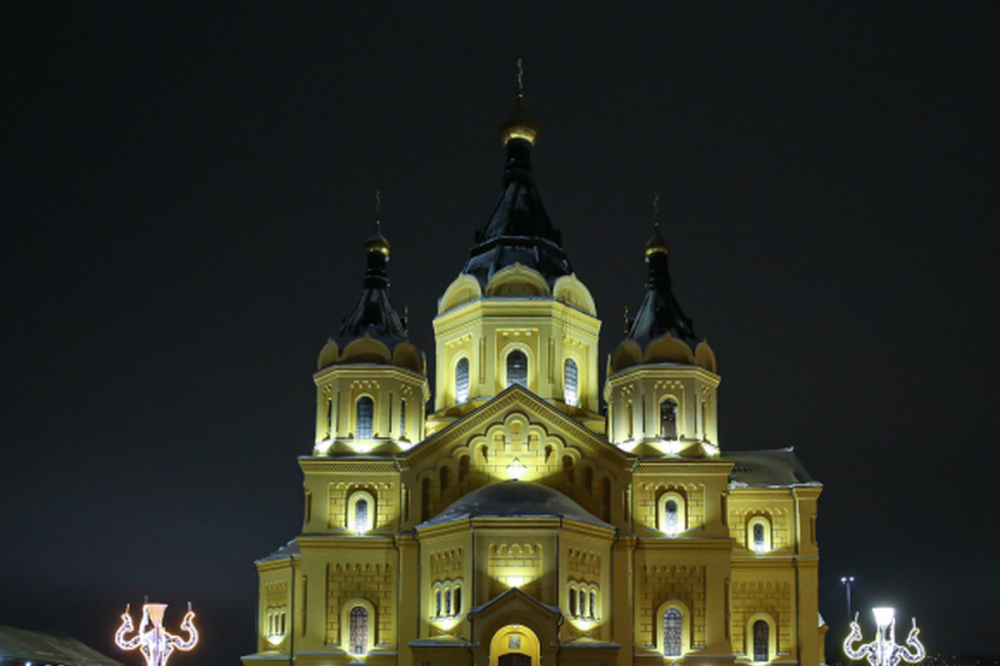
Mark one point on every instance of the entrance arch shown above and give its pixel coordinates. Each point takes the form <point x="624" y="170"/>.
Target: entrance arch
<point x="514" y="645"/>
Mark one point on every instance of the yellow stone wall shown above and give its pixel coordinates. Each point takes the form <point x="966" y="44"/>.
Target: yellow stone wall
<point x="373" y="581"/>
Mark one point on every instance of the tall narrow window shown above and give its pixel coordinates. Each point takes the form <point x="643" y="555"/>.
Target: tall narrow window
<point x="365" y="418"/>
<point x="437" y="604"/>
<point x="582" y="604"/>
<point x="668" y="419"/>
<point x="329" y="419"/>
<point x="447" y="603"/>
<point x="517" y="368"/>
<point x="606" y="498"/>
<point x="593" y="605"/>
<point x="673" y="627"/>
<point x="671" y="525"/>
<point x="458" y="600"/>
<point x="759" y="543"/>
<point x="359" y="630"/>
<point x="402" y="419"/>
<point x="572" y="602"/>
<point x="761" y="639"/>
<point x="570" y="385"/>
<point x="361" y="515"/>
<point x="425" y="500"/>
<point x="462" y="381"/>
<point x="630" y="426"/>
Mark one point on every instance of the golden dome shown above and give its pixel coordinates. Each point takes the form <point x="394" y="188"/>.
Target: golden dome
<point x="657" y="243"/>
<point x="377" y="243"/>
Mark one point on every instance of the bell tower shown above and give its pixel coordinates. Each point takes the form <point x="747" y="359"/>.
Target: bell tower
<point x="661" y="393"/>
<point x="517" y="314"/>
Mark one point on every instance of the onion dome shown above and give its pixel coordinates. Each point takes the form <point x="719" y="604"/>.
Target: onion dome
<point x="515" y="499"/>
<point x="519" y="230"/>
<point x="373" y="314"/>
<point x="660" y="313"/>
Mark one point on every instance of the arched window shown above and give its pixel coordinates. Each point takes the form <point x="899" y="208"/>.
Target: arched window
<point x="761" y="641"/>
<point x="588" y="479"/>
<point x="606" y="498"/>
<point x="462" y="381"/>
<point x="630" y="426"/>
<point x="582" y="604"/>
<point x="402" y="419"/>
<point x="673" y="633"/>
<point x="458" y="600"/>
<point x="704" y="421"/>
<point x="361" y="515"/>
<point x="668" y="419"/>
<point x="447" y="602"/>
<point x="517" y="368"/>
<point x="437" y="604"/>
<point x="572" y="602"/>
<point x="445" y="478"/>
<point x="359" y="630"/>
<point x="593" y="605"/>
<point x="365" y="422"/>
<point x="759" y="535"/>
<point x="672" y="516"/>
<point x="570" y="383"/>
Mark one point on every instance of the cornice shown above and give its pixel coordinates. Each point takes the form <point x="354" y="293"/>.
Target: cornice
<point x="692" y="467"/>
<point x="310" y="464"/>
<point x="664" y="370"/>
<point x="368" y="371"/>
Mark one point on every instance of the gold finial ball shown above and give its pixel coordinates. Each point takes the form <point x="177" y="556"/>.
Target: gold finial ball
<point x="521" y="127"/>
<point x="657" y="243"/>
<point x="377" y="243"/>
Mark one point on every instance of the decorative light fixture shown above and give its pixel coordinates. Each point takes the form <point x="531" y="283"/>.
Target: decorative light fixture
<point x="515" y="581"/>
<point x="883" y="651"/>
<point x="152" y="639"/>
<point x="516" y="470"/>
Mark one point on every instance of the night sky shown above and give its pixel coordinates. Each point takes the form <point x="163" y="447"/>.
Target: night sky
<point x="186" y="191"/>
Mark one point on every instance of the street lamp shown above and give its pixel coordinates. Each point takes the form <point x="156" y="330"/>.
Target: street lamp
<point x="883" y="651"/>
<point x="846" y="581"/>
<point x="153" y="641"/>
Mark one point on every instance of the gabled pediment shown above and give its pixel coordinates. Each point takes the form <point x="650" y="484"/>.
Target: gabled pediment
<point x="534" y="413"/>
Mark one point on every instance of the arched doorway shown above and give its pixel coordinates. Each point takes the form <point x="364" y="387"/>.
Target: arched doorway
<point x="514" y="645"/>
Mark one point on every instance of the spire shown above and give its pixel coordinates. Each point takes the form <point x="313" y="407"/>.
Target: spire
<point x="373" y="313"/>
<point x="660" y="313"/>
<point x="519" y="230"/>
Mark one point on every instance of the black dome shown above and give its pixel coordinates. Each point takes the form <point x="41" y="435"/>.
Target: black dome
<point x="515" y="499"/>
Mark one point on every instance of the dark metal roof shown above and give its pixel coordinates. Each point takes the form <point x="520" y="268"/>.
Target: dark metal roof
<point x="47" y="647"/>
<point x="290" y="549"/>
<point x="660" y="312"/>
<point x="373" y="313"/>
<point x="519" y="230"/>
<point x="514" y="499"/>
<point x="773" y="467"/>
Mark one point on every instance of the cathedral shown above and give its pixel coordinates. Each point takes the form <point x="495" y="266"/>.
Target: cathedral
<point x="523" y="513"/>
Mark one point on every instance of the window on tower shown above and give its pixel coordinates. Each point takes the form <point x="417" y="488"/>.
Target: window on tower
<point x="668" y="419"/>
<point x="462" y="381"/>
<point x="402" y="419"/>
<point x="365" y="418"/>
<point x="361" y="516"/>
<point x="517" y="368"/>
<point x="359" y="630"/>
<point x="673" y="627"/>
<point x="570" y="383"/>
<point x="761" y="640"/>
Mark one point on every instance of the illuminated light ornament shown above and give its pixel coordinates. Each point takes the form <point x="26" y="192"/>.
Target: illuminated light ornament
<point x="883" y="651"/>
<point x="516" y="470"/>
<point x="152" y="639"/>
<point x="515" y="581"/>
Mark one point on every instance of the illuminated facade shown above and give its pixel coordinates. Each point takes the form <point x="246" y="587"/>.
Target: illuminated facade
<point x="532" y="516"/>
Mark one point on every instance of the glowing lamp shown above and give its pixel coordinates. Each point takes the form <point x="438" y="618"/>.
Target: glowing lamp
<point x="883" y="651"/>
<point x="155" y="643"/>
<point x="515" y="581"/>
<point x="516" y="470"/>
<point x="883" y="616"/>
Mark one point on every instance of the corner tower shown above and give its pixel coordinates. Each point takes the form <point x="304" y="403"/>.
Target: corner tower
<point x="661" y="393"/>
<point x="517" y="314"/>
<point x="371" y="383"/>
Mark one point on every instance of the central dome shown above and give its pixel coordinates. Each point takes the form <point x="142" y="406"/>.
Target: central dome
<point x="515" y="499"/>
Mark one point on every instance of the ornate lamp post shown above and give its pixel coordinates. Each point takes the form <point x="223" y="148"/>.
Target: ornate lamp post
<point x="883" y="651"/>
<point x="152" y="639"/>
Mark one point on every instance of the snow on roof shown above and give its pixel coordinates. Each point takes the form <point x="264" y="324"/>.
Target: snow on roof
<point x="290" y="549"/>
<point x="49" y="647"/>
<point x="767" y="468"/>
<point x="514" y="499"/>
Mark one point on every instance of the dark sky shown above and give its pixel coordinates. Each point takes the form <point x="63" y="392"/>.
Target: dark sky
<point x="185" y="193"/>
